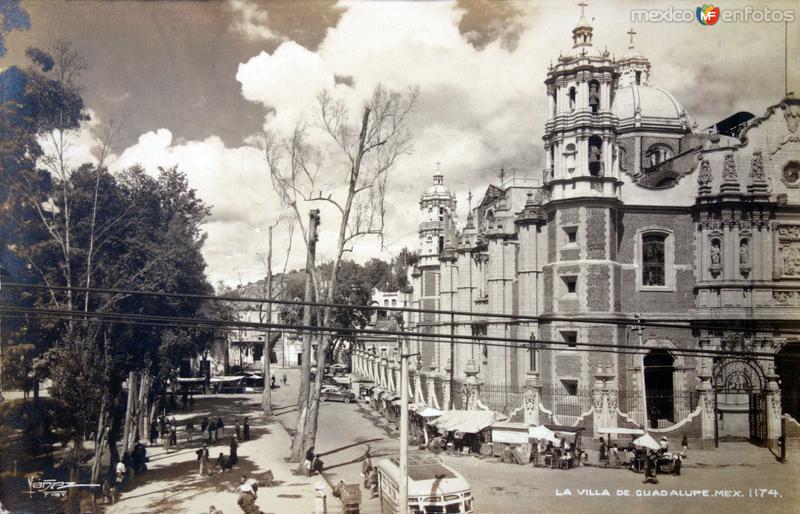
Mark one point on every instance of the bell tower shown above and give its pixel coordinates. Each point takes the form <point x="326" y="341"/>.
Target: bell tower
<point x="581" y="203"/>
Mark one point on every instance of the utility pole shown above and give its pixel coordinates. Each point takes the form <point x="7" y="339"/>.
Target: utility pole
<point x="403" y="507"/>
<point x="266" y="401"/>
<point x="452" y="342"/>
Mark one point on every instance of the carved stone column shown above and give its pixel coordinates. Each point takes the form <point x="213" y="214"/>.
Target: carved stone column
<point x="433" y="401"/>
<point x="394" y="373"/>
<point x="705" y="400"/>
<point x="444" y="379"/>
<point x="600" y="395"/>
<point x="532" y="397"/>
<point x="383" y="370"/>
<point x="472" y="386"/>
<point x="774" y="413"/>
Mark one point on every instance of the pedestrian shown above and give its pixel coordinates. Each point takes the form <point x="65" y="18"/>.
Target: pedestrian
<point x="366" y="467"/>
<point x="204" y="426"/>
<point x="120" y="471"/>
<point x="223" y="462"/>
<point x="234" y="458"/>
<point x="684" y="445"/>
<point x="173" y="435"/>
<point x="153" y="433"/>
<point x="603" y="452"/>
<point x="219" y="427"/>
<point x="247" y="499"/>
<point x="272" y="382"/>
<point x="535" y="455"/>
<point x="209" y="433"/>
<point x="184" y="400"/>
<point x="202" y="458"/>
<point x="162" y="427"/>
<point x="246" y="429"/>
<point x="284" y="379"/>
<point x="189" y="430"/>
<point x="237" y="430"/>
<point x="308" y="463"/>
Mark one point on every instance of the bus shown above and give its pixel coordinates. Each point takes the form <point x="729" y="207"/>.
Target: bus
<point x="432" y="486"/>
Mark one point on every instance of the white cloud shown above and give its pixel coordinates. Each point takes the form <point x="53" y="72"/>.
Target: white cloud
<point x="251" y="21"/>
<point x="478" y="110"/>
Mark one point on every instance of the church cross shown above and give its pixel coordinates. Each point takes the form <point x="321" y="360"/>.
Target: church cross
<point x="631" y="33"/>
<point x="583" y="5"/>
<point x="438" y="166"/>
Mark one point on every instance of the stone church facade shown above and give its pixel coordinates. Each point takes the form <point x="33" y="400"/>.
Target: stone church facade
<point x="637" y="215"/>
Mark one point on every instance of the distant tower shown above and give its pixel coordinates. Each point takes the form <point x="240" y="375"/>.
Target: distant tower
<point x="437" y="204"/>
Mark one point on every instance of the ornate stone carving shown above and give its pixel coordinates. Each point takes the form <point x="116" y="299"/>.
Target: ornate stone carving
<point x="787" y="252"/>
<point x="791" y="113"/>
<point x="790" y="298"/>
<point x="757" y="167"/>
<point x="597" y="400"/>
<point x="729" y="169"/>
<point x="704" y="177"/>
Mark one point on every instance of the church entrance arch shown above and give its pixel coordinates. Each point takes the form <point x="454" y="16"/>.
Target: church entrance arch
<point x="738" y="384"/>
<point x="659" y="369"/>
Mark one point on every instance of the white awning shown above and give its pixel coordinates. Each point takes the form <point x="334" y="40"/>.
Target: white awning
<point x="226" y="379"/>
<point x="429" y="412"/>
<point x="467" y="421"/>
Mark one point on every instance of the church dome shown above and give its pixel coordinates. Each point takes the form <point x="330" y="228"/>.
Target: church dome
<point x="437" y="191"/>
<point x="646" y="101"/>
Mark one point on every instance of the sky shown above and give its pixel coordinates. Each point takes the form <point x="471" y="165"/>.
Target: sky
<point x="196" y="83"/>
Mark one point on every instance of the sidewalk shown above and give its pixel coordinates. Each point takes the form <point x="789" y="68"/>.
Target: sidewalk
<point x="172" y="484"/>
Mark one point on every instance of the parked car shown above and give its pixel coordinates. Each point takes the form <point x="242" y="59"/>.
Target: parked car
<point x="335" y="393"/>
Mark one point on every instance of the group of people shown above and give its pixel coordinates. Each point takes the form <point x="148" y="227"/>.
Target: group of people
<point x="164" y="429"/>
<point x="558" y="453"/>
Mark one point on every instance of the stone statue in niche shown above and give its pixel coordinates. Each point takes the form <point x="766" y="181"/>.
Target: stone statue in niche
<point x="744" y="255"/>
<point x="716" y="254"/>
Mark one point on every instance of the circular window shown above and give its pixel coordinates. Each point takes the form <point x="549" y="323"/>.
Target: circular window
<point x="791" y="172"/>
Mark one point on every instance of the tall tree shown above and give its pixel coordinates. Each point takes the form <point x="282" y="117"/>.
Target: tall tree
<point x="364" y="151"/>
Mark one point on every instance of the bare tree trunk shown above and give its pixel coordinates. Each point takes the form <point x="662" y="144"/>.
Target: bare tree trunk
<point x="99" y="442"/>
<point x="298" y="446"/>
<point x="130" y="411"/>
<point x="141" y="404"/>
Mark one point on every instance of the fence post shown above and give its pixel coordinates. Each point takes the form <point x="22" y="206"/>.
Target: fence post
<point x="532" y="397"/>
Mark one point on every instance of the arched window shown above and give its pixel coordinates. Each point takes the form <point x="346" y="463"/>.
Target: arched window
<point x="594" y="96"/>
<point x="657" y="154"/>
<point x="394" y="303"/>
<point x="572" y="96"/>
<point x="595" y="156"/>
<point x="653" y="259"/>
